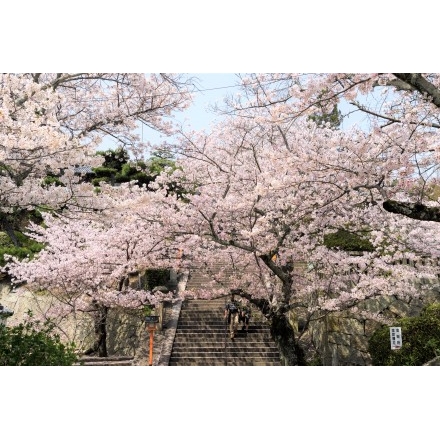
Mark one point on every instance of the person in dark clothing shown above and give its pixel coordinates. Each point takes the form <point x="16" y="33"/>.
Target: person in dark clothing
<point x="231" y="314"/>
<point x="244" y="316"/>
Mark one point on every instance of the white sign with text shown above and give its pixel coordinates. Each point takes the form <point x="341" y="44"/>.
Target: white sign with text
<point x="396" y="337"/>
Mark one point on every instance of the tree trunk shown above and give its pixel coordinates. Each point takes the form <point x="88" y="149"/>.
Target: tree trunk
<point x="101" y="331"/>
<point x="280" y="327"/>
<point x="284" y="335"/>
<point x="100" y="327"/>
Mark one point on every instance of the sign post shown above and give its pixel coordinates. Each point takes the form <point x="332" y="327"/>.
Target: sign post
<point x="396" y="337"/>
<point x="151" y="322"/>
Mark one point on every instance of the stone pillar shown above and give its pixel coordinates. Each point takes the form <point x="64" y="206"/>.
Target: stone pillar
<point x="160" y="310"/>
<point x="173" y="277"/>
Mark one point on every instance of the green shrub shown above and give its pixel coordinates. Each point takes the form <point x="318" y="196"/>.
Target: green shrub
<point x="420" y="340"/>
<point x="105" y="172"/>
<point x="97" y="180"/>
<point x="114" y="158"/>
<point x="52" y="180"/>
<point x="28" y="345"/>
<point x="28" y="247"/>
<point x="4" y="239"/>
<point x="148" y="310"/>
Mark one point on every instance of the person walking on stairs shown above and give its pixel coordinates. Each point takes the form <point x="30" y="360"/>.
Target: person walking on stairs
<point x="231" y="314"/>
<point x="244" y="315"/>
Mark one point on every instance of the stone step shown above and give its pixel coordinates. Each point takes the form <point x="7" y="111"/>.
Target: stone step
<point x="218" y="327"/>
<point x="202" y="337"/>
<point x="235" y="345"/>
<point x="242" y="350"/>
<point x="202" y="345"/>
<point x="107" y="364"/>
<point x="206" y="307"/>
<point x="212" y="321"/>
<point x="209" y="309"/>
<point x="228" y="362"/>
<point x="217" y="313"/>
<point x="89" y="361"/>
<point x="221" y="330"/>
<point x="221" y="325"/>
<point x="239" y="342"/>
<point x="215" y="316"/>
<point x="219" y="360"/>
<point x="225" y="360"/>
<point x="204" y="310"/>
<point x="207" y="333"/>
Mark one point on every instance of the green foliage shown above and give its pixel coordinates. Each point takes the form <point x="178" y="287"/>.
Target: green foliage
<point x="129" y="168"/>
<point x="4" y="239"/>
<point x="105" y="172"/>
<point x="348" y="241"/>
<point x="315" y="361"/>
<point x="134" y="171"/>
<point x="52" y="180"/>
<point x="333" y="118"/>
<point x="420" y="340"/>
<point x="29" y="344"/>
<point x="28" y="247"/>
<point x="117" y="168"/>
<point x="159" y="164"/>
<point x="148" y="310"/>
<point x="97" y="180"/>
<point x="114" y="158"/>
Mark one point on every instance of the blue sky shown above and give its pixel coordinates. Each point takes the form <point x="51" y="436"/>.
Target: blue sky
<point x="213" y="88"/>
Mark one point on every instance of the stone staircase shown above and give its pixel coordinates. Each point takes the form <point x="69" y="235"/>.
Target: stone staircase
<point x="216" y="276"/>
<point x="115" y="361"/>
<point x="202" y="338"/>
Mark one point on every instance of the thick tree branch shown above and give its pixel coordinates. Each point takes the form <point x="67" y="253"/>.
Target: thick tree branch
<point x="421" y="84"/>
<point x="417" y="211"/>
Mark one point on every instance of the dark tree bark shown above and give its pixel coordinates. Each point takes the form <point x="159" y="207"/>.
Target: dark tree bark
<point x="416" y="211"/>
<point x="101" y="331"/>
<point x="9" y="229"/>
<point x="417" y="82"/>
<point x="281" y="330"/>
<point x="284" y="335"/>
<point x="100" y="327"/>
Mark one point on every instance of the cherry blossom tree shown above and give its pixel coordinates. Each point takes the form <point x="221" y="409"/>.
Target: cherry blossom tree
<point x="267" y="186"/>
<point x="88" y="258"/>
<point x="50" y="123"/>
<point x="261" y="194"/>
<point x="403" y="107"/>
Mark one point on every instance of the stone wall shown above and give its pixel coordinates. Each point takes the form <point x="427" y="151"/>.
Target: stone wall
<point x="124" y="329"/>
<point x="342" y="337"/>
